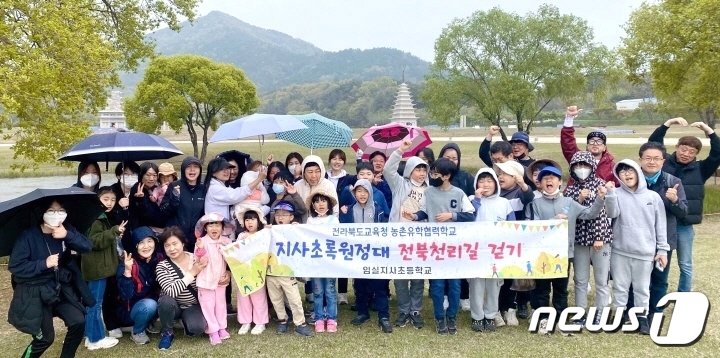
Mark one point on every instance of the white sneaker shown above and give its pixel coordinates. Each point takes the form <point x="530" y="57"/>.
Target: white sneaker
<point x="446" y="303"/>
<point x="115" y="333"/>
<point x="342" y="298"/>
<point x="107" y="342"/>
<point x="465" y="305"/>
<point x="511" y="317"/>
<point x="543" y="327"/>
<point x="499" y="321"/>
<point x="258" y="329"/>
<point x="244" y="329"/>
<point x="140" y="338"/>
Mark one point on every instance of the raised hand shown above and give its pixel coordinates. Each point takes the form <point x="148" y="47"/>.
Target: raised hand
<point x="602" y="191"/>
<point x="199" y="244"/>
<point x="344" y="209"/>
<point x="584" y="194"/>
<point x="121" y="227"/>
<point x="493" y="131"/>
<point x="405" y="145"/>
<point x="140" y="193"/>
<point x="671" y="194"/>
<point x="572" y="112"/>
<point x="289" y="188"/>
<point x="128" y="262"/>
<point x="704" y="127"/>
<point x="676" y="121"/>
<point x="124" y="202"/>
<point x="270" y="159"/>
<point x="59" y="232"/>
<point x="52" y="261"/>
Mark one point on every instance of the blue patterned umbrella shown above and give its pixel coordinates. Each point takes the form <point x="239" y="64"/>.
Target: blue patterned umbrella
<point x="321" y="132"/>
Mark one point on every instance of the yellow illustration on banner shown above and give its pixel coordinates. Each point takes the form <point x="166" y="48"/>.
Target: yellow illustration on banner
<point x="248" y="261"/>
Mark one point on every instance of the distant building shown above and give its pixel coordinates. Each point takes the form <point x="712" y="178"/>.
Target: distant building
<point x="633" y="104"/>
<point x="113" y="116"/>
<point x="404" y="109"/>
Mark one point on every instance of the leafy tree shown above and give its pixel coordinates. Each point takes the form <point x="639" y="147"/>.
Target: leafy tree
<point x="58" y="58"/>
<point x="676" y="43"/>
<point x="496" y="61"/>
<point x="190" y="91"/>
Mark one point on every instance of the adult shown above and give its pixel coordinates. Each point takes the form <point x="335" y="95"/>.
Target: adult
<point x="143" y="211"/>
<point x="461" y="179"/>
<point x="88" y="176"/>
<point x="426" y="154"/>
<point x="46" y="281"/>
<point x="337" y="174"/>
<point x="127" y="176"/>
<point x="596" y="145"/>
<point x="238" y="166"/>
<point x="293" y="163"/>
<point x="693" y="173"/>
<point x="219" y="198"/>
<point x="184" y="201"/>
<point x="178" y="292"/>
<point x="498" y="152"/>
<point x="137" y="283"/>
<point x="521" y="148"/>
<point x="313" y="177"/>
<point x="378" y="159"/>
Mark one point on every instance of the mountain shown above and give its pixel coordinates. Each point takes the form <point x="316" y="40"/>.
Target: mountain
<point x="273" y="59"/>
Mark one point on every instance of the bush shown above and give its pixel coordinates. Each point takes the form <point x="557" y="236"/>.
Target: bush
<point x="711" y="205"/>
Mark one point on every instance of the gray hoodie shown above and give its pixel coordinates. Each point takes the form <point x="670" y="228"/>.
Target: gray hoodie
<point x="402" y="187"/>
<point x="364" y="214"/>
<point x="493" y="207"/>
<point x="640" y="228"/>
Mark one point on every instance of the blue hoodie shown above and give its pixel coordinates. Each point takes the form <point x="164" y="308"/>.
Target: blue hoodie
<point x="377" y="207"/>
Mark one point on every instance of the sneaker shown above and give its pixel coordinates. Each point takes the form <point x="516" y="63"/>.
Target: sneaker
<point x="304" y="330"/>
<point x="451" y="325"/>
<point x="644" y="325"/>
<point x="320" y="326"/>
<point x="282" y="327"/>
<point x="465" y="305"/>
<point x="510" y="317"/>
<point x="115" y="333"/>
<point x="258" y="329"/>
<point x="441" y="327"/>
<point x="360" y="319"/>
<point x="477" y="325"/>
<point x="309" y="298"/>
<point x="153" y="327"/>
<point x="498" y="320"/>
<point x="446" y="303"/>
<point x="215" y="339"/>
<point x="166" y="339"/>
<point x="385" y="325"/>
<point x="417" y="320"/>
<point x="107" y="342"/>
<point x="140" y="338"/>
<point x="342" y="298"/>
<point x="490" y="324"/>
<point x="331" y="326"/>
<point x="224" y="334"/>
<point x="542" y="329"/>
<point x="522" y="312"/>
<point x="244" y="329"/>
<point x="402" y="319"/>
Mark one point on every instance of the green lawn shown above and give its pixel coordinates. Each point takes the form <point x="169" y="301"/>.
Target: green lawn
<point x="368" y="341"/>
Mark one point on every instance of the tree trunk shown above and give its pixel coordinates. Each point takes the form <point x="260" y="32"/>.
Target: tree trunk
<point x="709" y="117"/>
<point x="204" y="144"/>
<point x="519" y="121"/>
<point x="193" y="137"/>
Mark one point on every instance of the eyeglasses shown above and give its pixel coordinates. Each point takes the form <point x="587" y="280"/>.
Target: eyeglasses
<point x="56" y="211"/>
<point x="687" y="150"/>
<point x="626" y="171"/>
<point x="652" y="159"/>
<point x="596" y="142"/>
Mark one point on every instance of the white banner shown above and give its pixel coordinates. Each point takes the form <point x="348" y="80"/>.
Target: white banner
<point x="503" y="249"/>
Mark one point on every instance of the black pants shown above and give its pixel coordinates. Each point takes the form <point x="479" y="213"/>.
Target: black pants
<point x="511" y="299"/>
<point x="74" y="319"/>
<point x="368" y="292"/>
<point x="192" y="317"/>
<point x="110" y="304"/>
<point x="540" y="296"/>
<point x="342" y="285"/>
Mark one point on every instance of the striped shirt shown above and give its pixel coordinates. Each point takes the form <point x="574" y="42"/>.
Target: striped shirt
<point x="177" y="285"/>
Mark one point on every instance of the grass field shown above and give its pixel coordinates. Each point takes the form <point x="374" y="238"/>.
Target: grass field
<point x="368" y="341"/>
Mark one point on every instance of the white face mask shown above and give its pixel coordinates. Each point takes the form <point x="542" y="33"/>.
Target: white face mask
<point x="291" y="168"/>
<point x="551" y="195"/>
<point x="582" y="173"/>
<point x="54" y="218"/>
<point x="89" y="179"/>
<point x="129" y="180"/>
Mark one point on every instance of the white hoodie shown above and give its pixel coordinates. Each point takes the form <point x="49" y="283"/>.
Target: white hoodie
<point x="304" y="189"/>
<point x="493" y="207"/>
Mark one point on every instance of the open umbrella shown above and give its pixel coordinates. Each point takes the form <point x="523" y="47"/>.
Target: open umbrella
<point x="120" y="146"/>
<point x="388" y="138"/>
<point x="18" y="214"/>
<point x="256" y="125"/>
<point x="321" y="132"/>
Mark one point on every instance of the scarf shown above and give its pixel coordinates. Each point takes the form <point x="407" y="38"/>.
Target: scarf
<point x="652" y="179"/>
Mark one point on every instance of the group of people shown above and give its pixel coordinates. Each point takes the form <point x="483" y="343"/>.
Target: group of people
<point x="152" y="262"/>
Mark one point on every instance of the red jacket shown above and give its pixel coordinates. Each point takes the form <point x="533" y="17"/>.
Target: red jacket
<point x="604" y="166"/>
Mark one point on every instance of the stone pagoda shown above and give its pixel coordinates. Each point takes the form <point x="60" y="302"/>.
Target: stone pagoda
<point x="404" y="109"/>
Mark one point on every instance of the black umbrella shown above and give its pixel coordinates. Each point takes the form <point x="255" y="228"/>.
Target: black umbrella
<point x="121" y="146"/>
<point x="18" y="214"/>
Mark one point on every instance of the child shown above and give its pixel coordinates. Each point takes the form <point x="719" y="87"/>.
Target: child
<point x="320" y="204"/>
<point x="365" y="289"/>
<point x="99" y="264"/>
<point x="252" y="308"/>
<point x="640" y="237"/>
<point x="284" y="290"/>
<point x="552" y="205"/>
<point x="484" y="292"/>
<point x="444" y="203"/>
<point x="258" y="197"/>
<point x="210" y="293"/>
<point x="408" y="192"/>
<point x="285" y="191"/>
<point x="166" y="175"/>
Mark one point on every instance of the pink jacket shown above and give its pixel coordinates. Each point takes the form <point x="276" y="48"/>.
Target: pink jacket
<point x="208" y="278"/>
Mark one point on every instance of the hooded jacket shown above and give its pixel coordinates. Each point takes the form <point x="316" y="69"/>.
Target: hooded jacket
<point x="674" y="212"/>
<point x="640" y="228"/>
<point x="370" y="213"/>
<point x="242" y="160"/>
<point x="588" y="231"/>
<point x="186" y="209"/>
<point x="462" y="179"/>
<point x="406" y="194"/>
<point x="606" y="164"/>
<point x="143" y="282"/>
<point x="102" y="260"/>
<point x="304" y="188"/>
<point x="493" y="207"/>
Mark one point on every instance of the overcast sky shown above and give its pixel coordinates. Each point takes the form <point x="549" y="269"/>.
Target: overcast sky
<point x="408" y="25"/>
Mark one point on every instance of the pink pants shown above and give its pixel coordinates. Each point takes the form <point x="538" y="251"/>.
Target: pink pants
<point x="214" y="308"/>
<point x="253" y="308"/>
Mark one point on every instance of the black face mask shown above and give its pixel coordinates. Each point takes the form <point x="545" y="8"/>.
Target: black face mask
<point x="436" y="182"/>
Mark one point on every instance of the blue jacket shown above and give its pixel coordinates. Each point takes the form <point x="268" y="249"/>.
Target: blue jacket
<point x="348" y="199"/>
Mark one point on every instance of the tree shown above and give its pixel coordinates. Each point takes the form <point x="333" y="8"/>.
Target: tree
<point x="58" y="59"/>
<point x="676" y="43"/>
<point x="496" y="61"/>
<point x="190" y="91"/>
